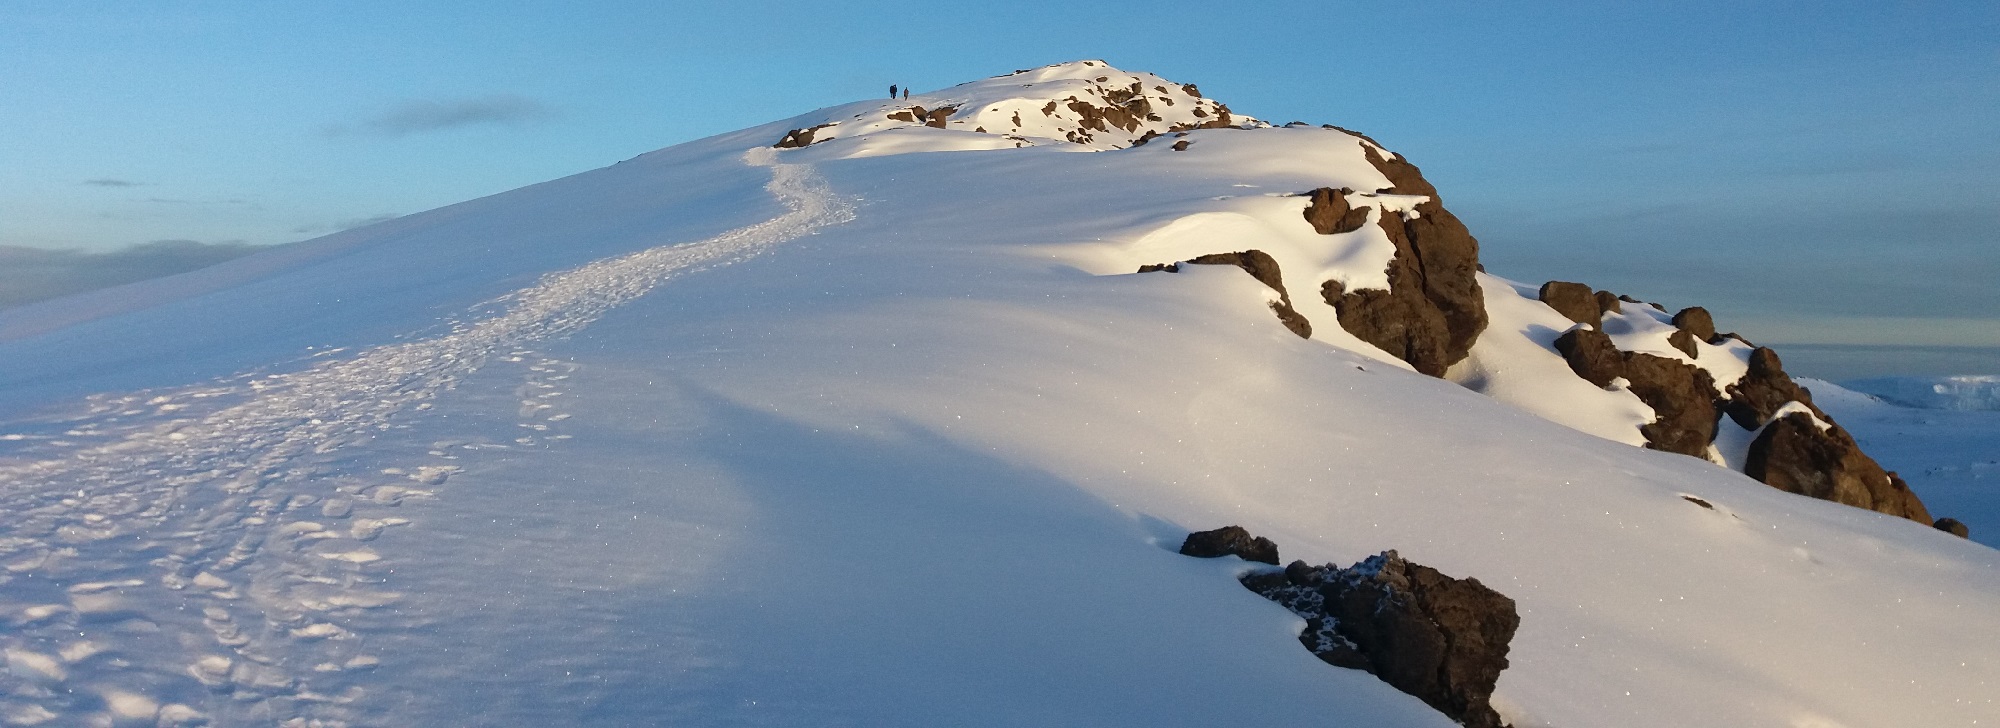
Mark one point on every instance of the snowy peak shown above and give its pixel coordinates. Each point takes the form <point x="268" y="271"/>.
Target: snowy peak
<point x="1087" y="103"/>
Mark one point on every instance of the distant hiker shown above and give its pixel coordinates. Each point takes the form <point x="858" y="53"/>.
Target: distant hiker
<point x="892" y="91"/>
<point x="906" y="94"/>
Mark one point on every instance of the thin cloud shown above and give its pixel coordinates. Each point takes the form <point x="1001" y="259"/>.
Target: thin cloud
<point x="431" y="115"/>
<point x="110" y="182"/>
<point x="34" y="274"/>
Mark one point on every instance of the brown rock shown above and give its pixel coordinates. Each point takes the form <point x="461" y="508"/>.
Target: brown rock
<point x="1182" y="145"/>
<point x="1607" y="302"/>
<point x="1441" y="639"/>
<point x="1794" y="455"/>
<point x="1682" y="396"/>
<point x="1259" y="265"/>
<point x="1433" y="310"/>
<point x="1953" y="527"/>
<point x="1230" y="541"/>
<point x="1684" y="341"/>
<point x="1330" y="214"/>
<point x="1591" y="355"/>
<point x="1764" y="389"/>
<point x="799" y="137"/>
<point x="1696" y="321"/>
<point x="1574" y="301"/>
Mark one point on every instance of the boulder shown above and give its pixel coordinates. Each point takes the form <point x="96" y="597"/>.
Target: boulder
<point x="1794" y="453"/>
<point x="1696" y="321"/>
<point x="1684" y="341"/>
<point x="1591" y="355"/>
<point x="1607" y="302"/>
<point x="1230" y="541"/>
<point x="1441" y="639"/>
<point x="1953" y="527"/>
<point x="1574" y="301"/>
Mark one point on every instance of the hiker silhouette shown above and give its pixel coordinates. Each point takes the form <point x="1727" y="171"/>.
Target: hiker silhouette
<point x="892" y="90"/>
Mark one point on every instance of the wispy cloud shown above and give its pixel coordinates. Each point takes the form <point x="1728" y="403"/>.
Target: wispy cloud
<point x="111" y="182"/>
<point x="34" y="274"/>
<point x="429" y="115"/>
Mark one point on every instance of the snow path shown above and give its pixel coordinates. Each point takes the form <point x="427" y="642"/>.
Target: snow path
<point x="240" y="583"/>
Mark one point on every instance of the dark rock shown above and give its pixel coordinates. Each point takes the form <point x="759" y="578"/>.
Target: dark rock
<point x="1330" y="214"/>
<point x="1682" y="396"/>
<point x="1698" y="501"/>
<point x="1608" y="303"/>
<point x="1696" y="321"/>
<point x="1259" y="265"/>
<point x="1953" y="527"/>
<point x="1230" y="541"/>
<point x="1182" y="145"/>
<point x="1795" y="455"/>
<point x="1765" y="388"/>
<point x="1684" y="341"/>
<point x="799" y="137"/>
<point x="1574" y="301"/>
<point x="1591" y="355"/>
<point x="1433" y="310"/>
<point x="1441" y="639"/>
<point x="1629" y="299"/>
<point x="936" y="119"/>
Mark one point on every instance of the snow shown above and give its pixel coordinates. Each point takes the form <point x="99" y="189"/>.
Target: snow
<point x="886" y="430"/>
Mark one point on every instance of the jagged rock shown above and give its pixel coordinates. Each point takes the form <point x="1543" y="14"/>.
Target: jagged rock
<point x="1684" y="341"/>
<point x="1330" y="214"/>
<point x="1607" y="302"/>
<point x="1683" y="396"/>
<point x="1696" y="321"/>
<point x="1574" y="301"/>
<point x="1259" y="265"/>
<point x="1230" y="541"/>
<point x="799" y="137"/>
<point x="1795" y="455"/>
<point x="1433" y="310"/>
<point x="1441" y="639"/>
<point x="1765" y="388"/>
<point x="1953" y="527"/>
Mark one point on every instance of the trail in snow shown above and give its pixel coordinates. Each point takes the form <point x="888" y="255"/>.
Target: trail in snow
<point x="174" y="544"/>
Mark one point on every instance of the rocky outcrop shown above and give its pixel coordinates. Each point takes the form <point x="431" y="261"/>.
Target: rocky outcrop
<point x="1439" y="638"/>
<point x="1433" y="309"/>
<point x="1799" y="454"/>
<point x="1329" y="214"/>
<point x="1230" y="541"/>
<point x="1259" y="265"/>
<point x="1764" y="389"/>
<point x="799" y="137"/>
<point x="1683" y="397"/>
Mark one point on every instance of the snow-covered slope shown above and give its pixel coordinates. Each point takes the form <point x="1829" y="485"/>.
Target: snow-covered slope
<point x="887" y="430"/>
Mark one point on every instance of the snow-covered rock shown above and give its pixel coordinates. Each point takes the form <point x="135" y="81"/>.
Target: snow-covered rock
<point x="855" y="432"/>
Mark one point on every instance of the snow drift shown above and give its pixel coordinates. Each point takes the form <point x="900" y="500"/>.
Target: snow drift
<point x="882" y="425"/>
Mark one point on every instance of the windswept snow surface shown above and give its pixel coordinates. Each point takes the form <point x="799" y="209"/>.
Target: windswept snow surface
<point x="634" y="448"/>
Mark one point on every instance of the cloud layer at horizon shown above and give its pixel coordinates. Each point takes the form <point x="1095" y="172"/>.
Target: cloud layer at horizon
<point x="34" y="274"/>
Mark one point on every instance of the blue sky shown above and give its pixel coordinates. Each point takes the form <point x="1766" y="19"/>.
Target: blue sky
<point x="1813" y="172"/>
